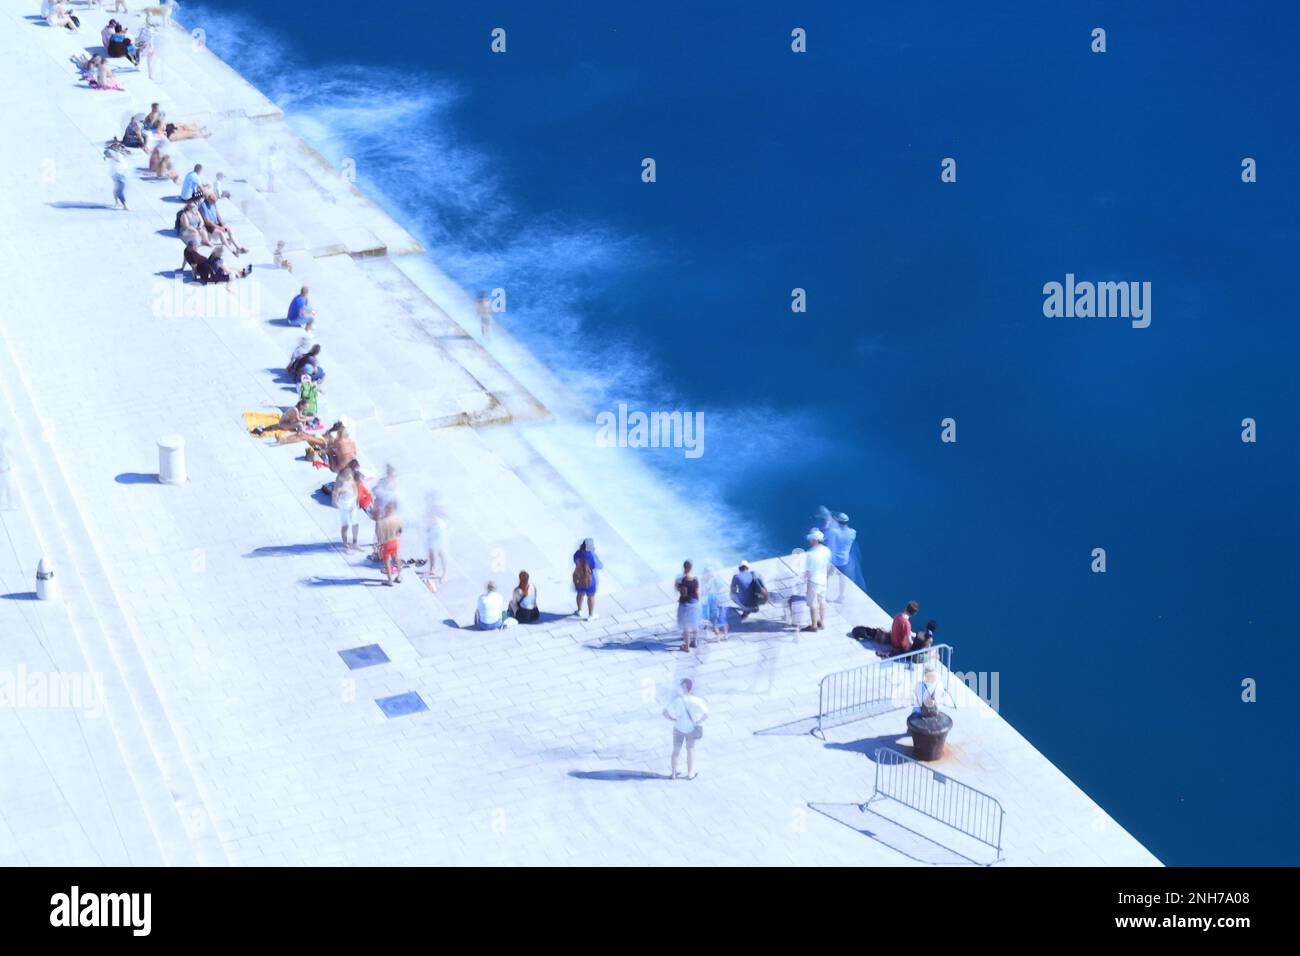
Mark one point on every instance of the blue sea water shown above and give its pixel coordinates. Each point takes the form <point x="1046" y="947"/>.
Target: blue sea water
<point x="821" y="171"/>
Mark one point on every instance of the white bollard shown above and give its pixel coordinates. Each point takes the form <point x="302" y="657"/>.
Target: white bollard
<point x="171" y="460"/>
<point x="44" y="581"/>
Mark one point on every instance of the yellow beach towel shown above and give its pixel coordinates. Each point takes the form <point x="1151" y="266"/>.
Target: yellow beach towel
<point x="264" y="420"/>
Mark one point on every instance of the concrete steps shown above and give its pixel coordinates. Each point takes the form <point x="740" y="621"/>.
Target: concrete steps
<point x="163" y="782"/>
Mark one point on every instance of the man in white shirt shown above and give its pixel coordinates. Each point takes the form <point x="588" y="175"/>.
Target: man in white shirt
<point x="491" y="609"/>
<point x="687" y="712"/>
<point x="816" y="564"/>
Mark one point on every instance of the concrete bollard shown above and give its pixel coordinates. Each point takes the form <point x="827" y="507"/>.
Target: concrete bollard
<point x="171" y="460"/>
<point x="44" y="581"/>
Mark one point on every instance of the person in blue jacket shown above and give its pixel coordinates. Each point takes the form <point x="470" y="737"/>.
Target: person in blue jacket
<point x="585" y="566"/>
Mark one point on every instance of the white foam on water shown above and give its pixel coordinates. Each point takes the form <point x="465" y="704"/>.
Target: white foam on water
<point x="399" y="130"/>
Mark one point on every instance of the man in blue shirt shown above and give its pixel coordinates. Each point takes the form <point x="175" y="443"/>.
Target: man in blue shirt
<point x="300" y="309"/>
<point x="840" y="538"/>
<point x="190" y="187"/>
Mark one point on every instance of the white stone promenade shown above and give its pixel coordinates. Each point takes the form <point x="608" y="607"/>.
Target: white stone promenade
<point x="185" y="700"/>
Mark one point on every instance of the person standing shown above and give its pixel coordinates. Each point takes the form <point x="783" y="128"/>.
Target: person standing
<point x="585" y="566"/>
<point x="839" y="539"/>
<point x="344" y="498"/>
<point x="688" y="606"/>
<point x="816" y="564"/>
<point x="388" y="535"/>
<point x="385" y="492"/>
<point x="688" y="713"/>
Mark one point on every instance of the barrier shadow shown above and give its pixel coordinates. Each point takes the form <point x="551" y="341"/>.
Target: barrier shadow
<point x="136" y="478"/>
<point x="894" y="835"/>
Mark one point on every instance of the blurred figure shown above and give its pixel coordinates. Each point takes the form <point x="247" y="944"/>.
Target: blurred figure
<point x="6" y="473"/>
<point x="523" y="602"/>
<point x="117" y="173"/>
<point x="385" y="500"/>
<point x="715" y="607"/>
<point x="484" y="315"/>
<point x="435" y="537"/>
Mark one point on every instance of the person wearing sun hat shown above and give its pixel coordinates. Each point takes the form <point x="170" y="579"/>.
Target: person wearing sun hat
<point x="839" y="539"/>
<point x="817" y="562"/>
<point x="748" y="592"/>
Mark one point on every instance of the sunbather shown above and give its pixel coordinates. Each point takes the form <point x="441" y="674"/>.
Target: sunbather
<point x="181" y="131"/>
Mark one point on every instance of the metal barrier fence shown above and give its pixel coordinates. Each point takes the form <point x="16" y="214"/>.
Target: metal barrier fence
<point x="875" y="688"/>
<point x="955" y="804"/>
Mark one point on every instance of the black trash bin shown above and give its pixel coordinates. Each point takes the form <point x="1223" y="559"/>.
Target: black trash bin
<point x="929" y="731"/>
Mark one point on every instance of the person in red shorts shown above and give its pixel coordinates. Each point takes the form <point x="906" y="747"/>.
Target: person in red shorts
<point x="389" y="534"/>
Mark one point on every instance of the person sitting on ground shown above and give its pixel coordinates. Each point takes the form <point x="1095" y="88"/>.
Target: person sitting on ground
<point x="154" y="119"/>
<point x="189" y="225"/>
<point x="293" y="421"/>
<point x="160" y="164"/>
<point x="106" y="33"/>
<point x="305" y="342"/>
<point x="900" y="635"/>
<point x="214" y="223"/>
<point x="388" y="535"/>
<point x="197" y="262"/>
<point x="300" y="309"/>
<point x="120" y="45"/>
<point x="217" y="271"/>
<point x="307" y="364"/>
<point x="133" y="138"/>
<point x="105" y="78"/>
<point x="341" y="450"/>
<point x="748" y="592"/>
<point x="193" y="183"/>
<point x="60" y="17"/>
<point x="309" y="392"/>
<point x="490" y="613"/>
<point x="523" y="602"/>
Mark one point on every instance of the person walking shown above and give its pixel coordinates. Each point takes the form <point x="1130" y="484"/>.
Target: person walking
<point x="688" y="606"/>
<point x="688" y="713"/>
<point x="585" y="566"/>
<point x="817" y="562"/>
